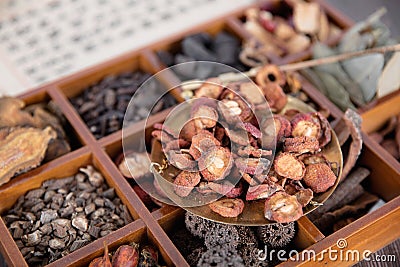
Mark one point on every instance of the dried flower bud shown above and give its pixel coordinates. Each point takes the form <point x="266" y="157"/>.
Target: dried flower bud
<point x="305" y="125"/>
<point x="126" y="255"/>
<point x="319" y="177"/>
<point x="301" y="145"/>
<point x="287" y="165"/>
<point x="210" y="88"/>
<point x="185" y="182"/>
<point x="282" y="208"/>
<point x="228" y="207"/>
<point x="262" y="191"/>
<point x="216" y="164"/>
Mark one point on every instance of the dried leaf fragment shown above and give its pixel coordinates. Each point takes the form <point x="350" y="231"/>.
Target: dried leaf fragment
<point x="282" y="208"/>
<point x="22" y="149"/>
<point x="228" y="207"/>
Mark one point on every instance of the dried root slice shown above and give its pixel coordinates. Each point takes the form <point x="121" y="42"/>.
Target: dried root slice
<point x="326" y="130"/>
<point x="204" y="117"/>
<point x="201" y="143"/>
<point x="262" y="191"/>
<point x="301" y="145"/>
<point x="252" y="151"/>
<point x="319" y="177"/>
<point x="270" y="74"/>
<point x="287" y="165"/>
<point x="210" y="88"/>
<point x="216" y="164"/>
<point x="277" y="99"/>
<point x="22" y="149"/>
<point x="282" y="208"/>
<point x="185" y="182"/>
<point x="228" y="207"/>
<point x="305" y="125"/>
<point x="252" y="166"/>
<point x="135" y="163"/>
<point x="227" y="189"/>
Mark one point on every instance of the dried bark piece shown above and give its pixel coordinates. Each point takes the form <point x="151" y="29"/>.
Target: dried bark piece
<point x="227" y="189"/>
<point x="211" y="88"/>
<point x="304" y="196"/>
<point x="185" y="182"/>
<point x="201" y="143"/>
<point x="204" y="117"/>
<point x="22" y="149"/>
<point x="126" y="255"/>
<point x="287" y="165"/>
<point x="262" y="190"/>
<point x="305" y="125"/>
<point x="252" y="151"/>
<point x="301" y="145"/>
<point x="319" y="177"/>
<point x="136" y="163"/>
<point x="216" y="164"/>
<point x="228" y="207"/>
<point x="276" y="97"/>
<point x="252" y="166"/>
<point x="270" y="74"/>
<point x="282" y="208"/>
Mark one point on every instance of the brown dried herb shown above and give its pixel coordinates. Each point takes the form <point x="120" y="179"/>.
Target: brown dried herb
<point x="228" y="207"/>
<point x="304" y="196"/>
<point x="287" y="165"/>
<point x="201" y="143"/>
<point x="282" y="208"/>
<point x="319" y="177"/>
<point x="22" y="149"/>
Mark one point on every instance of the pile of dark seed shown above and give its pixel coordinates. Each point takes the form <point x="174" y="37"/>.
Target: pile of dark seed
<point x="103" y="105"/>
<point x="64" y="215"/>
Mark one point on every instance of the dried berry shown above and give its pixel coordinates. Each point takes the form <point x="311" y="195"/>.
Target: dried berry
<point x="277" y="234"/>
<point x="287" y="165"/>
<point x="301" y="145"/>
<point x="210" y="88"/>
<point x="252" y="166"/>
<point x="216" y="164"/>
<point x="228" y="207"/>
<point x="126" y="255"/>
<point x="282" y="208"/>
<point x="185" y="182"/>
<point x="305" y="125"/>
<point x="262" y="191"/>
<point x="319" y="177"/>
<point x="204" y="117"/>
<point x="201" y="143"/>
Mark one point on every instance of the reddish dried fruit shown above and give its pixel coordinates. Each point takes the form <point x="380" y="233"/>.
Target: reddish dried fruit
<point x="277" y="99"/>
<point x="282" y="208"/>
<point x="251" y="129"/>
<point x="227" y="189"/>
<point x="252" y="166"/>
<point x="301" y="145"/>
<point x="210" y="88"/>
<point x="287" y="165"/>
<point x="305" y="125"/>
<point x="275" y="129"/>
<point x="188" y="131"/>
<point x="304" y="196"/>
<point x="182" y="161"/>
<point x="201" y="143"/>
<point x="308" y="159"/>
<point x="185" y="182"/>
<point x="326" y="131"/>
<point x="252" y="93"/>
<point x="238" y="137"/>
<point x="127" y="256"/>
<point x="203" y="188"/>
<point x="291" y="113"/>
<point x="204" y="117"/>
<point x="228" y="207"/>
<point x="270" y="74"/>
<point x="216" y="164"/>
<point x="234" y="110"/>
<point x="319" y="177"/>
<point x="262" y="191"/>
<point x="176" y="144"/>
<point x="166" y="129"/>
<point x="102" y="261"/>
<point x="252" y="151"/>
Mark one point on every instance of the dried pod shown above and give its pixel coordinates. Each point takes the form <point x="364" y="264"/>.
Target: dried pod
<point x="262" y="191"/>
<point x="210" y="88"/>
<point x="270" y="74"/>
<point x="301" y="145"/>
<point x="216" y="164"/>
<point x="276" y="234"/>
<point x="277" y="99"/>
<point x="319" y="177"/>
<point x="252" y="166"/>
<point x="305" y="125"/>
<point x="126" y="255"/>
<point x="304" y="196"/>
<point x="22" y="149"/>
<point x="326" y="130"/>
<point x="185" y="182"/>
<point x="136" y="163"/>
<point x="103" y="261"/>
<point x="226" y="188"/>
<point x="282" y="208"/>
<point x="287" y="165"/>
<point x="228" y="207"/>
<point x="201" y="143"/>
<point x="204" y="117"/>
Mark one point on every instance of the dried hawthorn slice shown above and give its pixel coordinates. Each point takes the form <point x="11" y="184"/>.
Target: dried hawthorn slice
<point x="270" y="74"/>
<point x="282" y="208"/>
<point x="262" y="190"/>
<point x="304" y="196"/>
<point x="166" y="129"/>
<point x="215" y="164"/>
<point x="251" y="129"/>
<point x="287" y="165"/>
<point x="210" y="88"/>
<point x="201" y="143"/>
<point x="203" y="188"/>
<point x="326" y="131"/>
<point x="235" y="110"/>
<point x="308" y="159"/>
<point x="305" y="125"/>
<point x="319" y="177"/>
<point x="188" y="131"/>
<point x="252" y="165"/>
<point x="176" y="144"/>
<point x="301" y="145"/>
<point x="252" y="93"/>
<point x="275" y="96"/>
<point x="275" y="128"/>
<point x="182" y="161"/>
<point x="252" y="151"/>
<point x="185" y="182"/>
<point x="162" y="136"/>
<point x="204" y="117"/>
<point x="228" y="207"/>
<point x="238" y="137"/>
<point x="291" y="113"/>
<point x="226" y="188"/>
